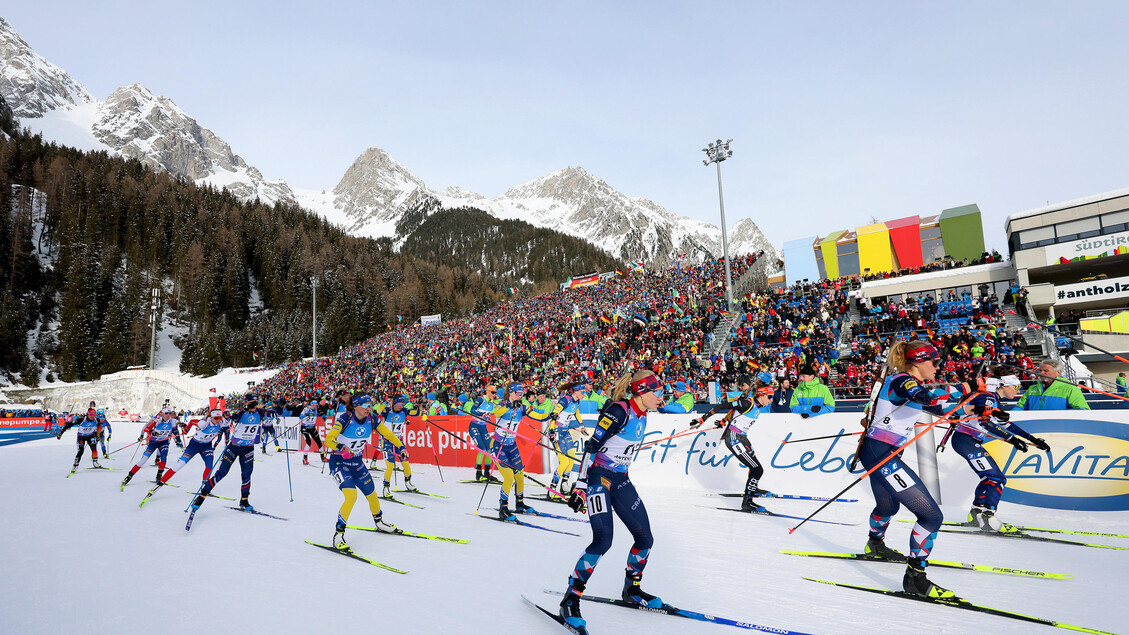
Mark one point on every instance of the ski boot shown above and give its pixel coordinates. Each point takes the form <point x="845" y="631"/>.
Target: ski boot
<point x="305" y="459"/>
<point x="197" y="502"/>
<point x="160" y="473"/>
<point x="245" y="506"/>
<point x="522" y="508"/>
<point x="570" y="606"/>
<point x="915" y="582"/>
<point x="876" y="549"/>
<point x="747" y="505"/>
<point x="95" y="463"/>
<point x="983" y="519"/>
<point x="408" y="484"/>
<point x="478" y="473"/>
<point x="263" y="449"/>
<point x="339" y="540"/>
<point x="378" y="522"/>
<point x="504" y="512"/>
<point x="387" y="492"/>
<point x="634" y="595"/>
<point x="125" y="480"/>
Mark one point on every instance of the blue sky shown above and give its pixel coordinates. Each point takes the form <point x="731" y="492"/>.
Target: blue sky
<point x="839" y="111"/>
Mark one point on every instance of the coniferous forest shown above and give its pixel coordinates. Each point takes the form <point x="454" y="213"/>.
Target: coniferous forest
<point x="85" y="236"/>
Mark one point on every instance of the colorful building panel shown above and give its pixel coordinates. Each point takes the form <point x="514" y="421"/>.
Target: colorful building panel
<point x="799" y="260"/>
<point x="905" y="236"/>
<point x="830" y="254"/>
<point x="875" y="251"/>
<point x="963" y="232"/>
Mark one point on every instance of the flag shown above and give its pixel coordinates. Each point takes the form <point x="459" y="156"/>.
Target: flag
<point x="512" y="290"/>
<point x="575" y="311"/>
<point x="618" y="272"/>
<point x="255" y="355"/>
<point x="604" y="318"/>
<point x="399" y="318"/>
<point x="804" y="340"/>
<point x="639" y="319"/>
<point x="500" y="325"/>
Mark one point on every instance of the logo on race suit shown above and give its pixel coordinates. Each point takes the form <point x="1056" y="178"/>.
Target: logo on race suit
<point x="1086" y="469"/>
<point x="605" y="482"/>
<point x="885" y="470"/>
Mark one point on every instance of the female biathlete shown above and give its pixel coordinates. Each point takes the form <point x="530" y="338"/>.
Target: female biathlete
<point x="510" y="465"/>
<point x="88" y="429"/>
<point x="607" y="457"/>
<point x="309" y="421"/>
<point x="346" y="440"/>
<point x="201" y="443"/>
<point x="900" y="403"/>
<point x="242" y="447"/>
<point x="745" y="412"/>
<point x="968" y="438"/>
<point x="483" y="409"/>
<point x="565" y="434"/>
<point x="160" y="430"/>
<point x="394" y="449"/>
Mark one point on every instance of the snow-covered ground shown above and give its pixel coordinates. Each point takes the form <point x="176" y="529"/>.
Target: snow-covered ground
<point x="80" y="556"/>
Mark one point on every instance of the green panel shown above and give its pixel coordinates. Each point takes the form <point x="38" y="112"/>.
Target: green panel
<point x="962" y="232"/>
<point x="830" y="254"/>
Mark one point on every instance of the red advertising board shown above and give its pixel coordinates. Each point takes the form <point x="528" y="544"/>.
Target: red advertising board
<point x="21" y="422"/>
<point x="445" y="439"/>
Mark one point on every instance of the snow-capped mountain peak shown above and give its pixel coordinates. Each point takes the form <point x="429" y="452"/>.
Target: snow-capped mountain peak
<point x="30" y="84"/>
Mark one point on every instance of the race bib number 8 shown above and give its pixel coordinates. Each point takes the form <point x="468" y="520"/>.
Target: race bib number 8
<point x="900" y="480"/>
<point x="597" y="503"/>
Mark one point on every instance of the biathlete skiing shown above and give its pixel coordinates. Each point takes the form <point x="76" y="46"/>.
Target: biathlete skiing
<point x="968" y="437"/>
<point x="607" y="457"/>
<point x="242" y="446"/>
<point x="393" y="449"/>
<point x="309" y="421"/>
<point x="740" y="415"/>
<point x="347" y="440"/>
<point x="160" y="430"/>
<point x="87" y="429"/>
<point x="565" y="433"/>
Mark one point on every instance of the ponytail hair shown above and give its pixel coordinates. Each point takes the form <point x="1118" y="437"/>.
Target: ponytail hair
<point x="620" y="387"/>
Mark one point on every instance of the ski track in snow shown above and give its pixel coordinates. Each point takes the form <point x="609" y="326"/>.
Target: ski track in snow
<point x="79" y="556"/>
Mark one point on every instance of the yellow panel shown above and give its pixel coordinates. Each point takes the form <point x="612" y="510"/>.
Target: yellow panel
<point x="1119" y="323"/>
<point x="830" y="259"/>
<point x="875" y="250"/>
<point x="1095" y="324"/>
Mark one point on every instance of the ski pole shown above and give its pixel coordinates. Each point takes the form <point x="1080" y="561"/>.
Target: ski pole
<point x="832" y="436"/>
<point x="286" y="444"/>
<point x="897" y="451"/>
<point x="434" y="454"/>
<point x="124" y="447"/>
<point x="217" y="466"/>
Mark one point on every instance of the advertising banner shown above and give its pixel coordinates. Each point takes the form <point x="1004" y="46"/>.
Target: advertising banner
<point x="1086" y="469"/>
<point x="584" y="280"/>
<point x="1108" y="289"/>
<point x="424" y="320"/>
<point x="1087" y="248"/>
<point x="21" y="422"/>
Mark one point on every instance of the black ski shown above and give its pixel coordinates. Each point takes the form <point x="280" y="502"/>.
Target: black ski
<point x="769" y="513"/>
<point x="961" y="603"/>
<point x="514" y="521"/>
<point x="349" y="553"/>
<point x="575" y="630"/>
<point x="761" y="493"/>
<point x="256" y="512"/>
<point x="534" y="512"/>
<point x="409" y="534"/>
<point x="934" y="563"/>
<point x="667" y="609"/>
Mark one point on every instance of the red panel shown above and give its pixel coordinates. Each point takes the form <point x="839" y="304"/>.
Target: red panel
<point x="905" y="234"/>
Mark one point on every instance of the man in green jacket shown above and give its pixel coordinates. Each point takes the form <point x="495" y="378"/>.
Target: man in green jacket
<point x="811" y="397"/>
<point x="1051" y="394"/>
<point x="683" y="401"/>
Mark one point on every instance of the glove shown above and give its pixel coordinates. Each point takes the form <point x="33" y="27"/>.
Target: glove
<point x="403" y="452"/>
<point x="577" y="497"/>
<point x="719" y="423"/>
<point x="1002" y="415"/>
<point x="816" y="409"/>
<point x="346" y="454"/>
<point x="108" y="437"/>
<point x="1041" y="444"/>
<point x="58" y="436"/>
<point x="694" y="423"/>
<point x="804" y="415"/>
<point x="140" y="438"/>
<point x="1018" y="443"/>
<point x="980" y="409"/>
<point x="553" y="416"/>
